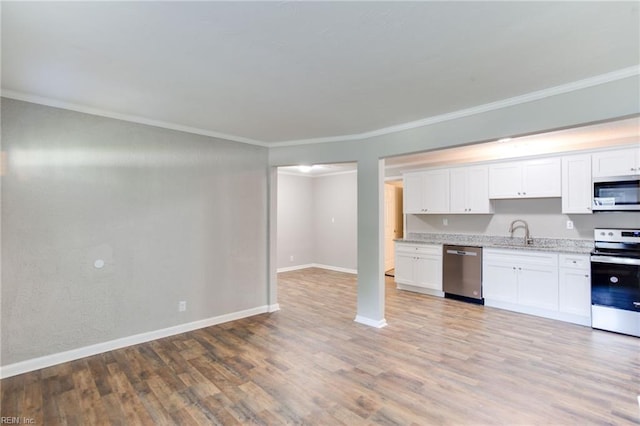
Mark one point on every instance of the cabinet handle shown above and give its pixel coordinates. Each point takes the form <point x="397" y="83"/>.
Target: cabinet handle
<point x="586" y="276"/>
<point x="518" y="193"/>
<point x="524" y="193"/>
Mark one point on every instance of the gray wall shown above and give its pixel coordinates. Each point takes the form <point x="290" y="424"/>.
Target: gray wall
<point x="543" y="215"/>
<point x="336" y="220"/>
<point x="296" y="216"/>
<point x="174" y="216"/>
<point x="317" y="220"/>
<point x="606" y="101"/>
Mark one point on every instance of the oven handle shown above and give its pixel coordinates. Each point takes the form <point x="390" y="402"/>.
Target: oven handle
<point x="615" y="260"/>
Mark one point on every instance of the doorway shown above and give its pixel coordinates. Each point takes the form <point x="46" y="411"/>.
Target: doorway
<point x="393" y="223"/>
<point x="317" y="217"/>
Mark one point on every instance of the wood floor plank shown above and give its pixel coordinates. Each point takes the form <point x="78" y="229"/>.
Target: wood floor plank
<point x="439" y="361"/>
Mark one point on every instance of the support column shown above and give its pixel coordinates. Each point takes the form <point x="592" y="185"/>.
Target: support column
<point x="370" y="305"/>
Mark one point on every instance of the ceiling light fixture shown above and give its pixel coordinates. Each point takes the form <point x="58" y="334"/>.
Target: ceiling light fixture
<point x="503" y="140"/>
<point x="305" y="169"/>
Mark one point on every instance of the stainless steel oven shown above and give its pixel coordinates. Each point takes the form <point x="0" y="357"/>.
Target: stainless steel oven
<point x="615" y="281"/>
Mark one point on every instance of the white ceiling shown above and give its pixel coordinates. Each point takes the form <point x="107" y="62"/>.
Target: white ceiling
<point x="274" y="72"/>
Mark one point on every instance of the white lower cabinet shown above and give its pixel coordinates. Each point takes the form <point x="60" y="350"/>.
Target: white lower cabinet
<point x="550" y="285"/>
<point x="419" y="268"/>
<point x="499" y="280"/>
<point x="520" y="280"/>
<point x="575" y="288"/>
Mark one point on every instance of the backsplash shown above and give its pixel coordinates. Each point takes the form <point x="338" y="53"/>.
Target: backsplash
<point x="543" y="216"/>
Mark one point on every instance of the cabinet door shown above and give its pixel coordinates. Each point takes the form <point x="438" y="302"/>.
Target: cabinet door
<point x="477" y="190"/>
<point x="499" y="282"/>
<point x="538" y="287"/>
<point x="458" y="191"/>
<point x="618" y="162"/>
<point x="436" y="191"/>
<point x="404" y="268"/>
<point x="541" y="178"/>
<point x="577" y="188"/>
<point x="412" y="195"/>
<point x="505" y="180"/>
<point x="428" y="272"/>
<point x="575" y="292"/>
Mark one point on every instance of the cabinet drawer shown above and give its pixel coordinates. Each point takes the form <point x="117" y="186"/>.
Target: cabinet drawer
<point x="520" y="257"/>
<point x="422" y="249"/>
<point x="574" y="261"/>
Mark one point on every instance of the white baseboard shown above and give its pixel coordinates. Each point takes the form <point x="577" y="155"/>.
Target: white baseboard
<point x="274" y="307"/>
<point x="295" y="268"/>
<point x="336" y="268"/>
<point x="371" y="322"/>
<point x="544" y="313"/>
<point x="422" y="290"/>
<point x="74" y="354"/>
<point x="318" y="265"/>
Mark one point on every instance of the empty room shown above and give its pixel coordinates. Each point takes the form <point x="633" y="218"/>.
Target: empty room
<point x="322" y="213"/>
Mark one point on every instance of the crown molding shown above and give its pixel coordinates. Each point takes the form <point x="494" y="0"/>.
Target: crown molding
<point x="632" y="71"/>
<point x="19" y="96"/>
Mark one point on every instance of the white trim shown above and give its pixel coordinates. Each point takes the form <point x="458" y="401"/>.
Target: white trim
<point x="74" y="354"/>
<point x="336" y="268"/>
<point x="421" y="290"/>
<point x="290" y="173"/>
<point x="318" y="265"/>
<point x="504" y="103"/>
<point x="274" y="308"/>
<point x="371" y="322"/>
<point x="11" y="94"/>
<point x="295" y="268"/>
<point x="316" y="175"/>
<point x="539" y="312"/>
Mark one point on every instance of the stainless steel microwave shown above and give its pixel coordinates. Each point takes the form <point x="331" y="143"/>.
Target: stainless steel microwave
<point x="619" y="193"/>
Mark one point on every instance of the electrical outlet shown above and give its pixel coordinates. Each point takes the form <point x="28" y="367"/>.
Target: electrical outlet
<point x="569" y="224"/>
<point x="445" y="221"/>
<point x="291" y="258"/>
<point x="182" y="306"/>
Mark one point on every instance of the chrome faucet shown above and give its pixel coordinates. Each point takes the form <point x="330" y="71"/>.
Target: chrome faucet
<point x="527" y="237"/>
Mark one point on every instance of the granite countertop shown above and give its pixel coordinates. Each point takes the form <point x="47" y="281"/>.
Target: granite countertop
<point x="516" y="243"/>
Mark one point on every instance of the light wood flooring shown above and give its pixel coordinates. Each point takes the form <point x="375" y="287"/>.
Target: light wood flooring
<point x="437" y="362"/>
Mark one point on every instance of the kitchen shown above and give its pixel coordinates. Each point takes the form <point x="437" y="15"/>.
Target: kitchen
<point x="559" y="222"/>
<point x="525" y="227"/>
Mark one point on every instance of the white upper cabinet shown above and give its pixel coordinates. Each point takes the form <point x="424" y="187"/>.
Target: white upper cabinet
<point x="469" y="190"/>
<point x="577" y="188"/>
<point x="618" y="162"/>
<point x="525" y="179"/>
<point x="412" y="192"/>
<point x="427" y="192"/>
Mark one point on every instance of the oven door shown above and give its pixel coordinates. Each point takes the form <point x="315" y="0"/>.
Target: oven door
<point x="615" y="282"/>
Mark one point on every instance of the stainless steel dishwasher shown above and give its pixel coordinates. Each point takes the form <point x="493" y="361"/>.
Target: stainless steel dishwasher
<point x="462" y="273"/>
